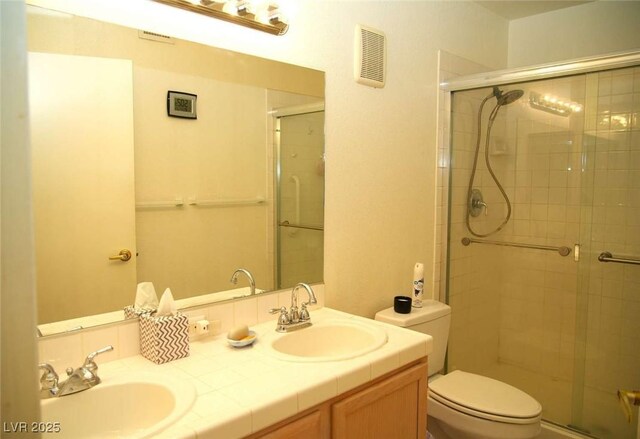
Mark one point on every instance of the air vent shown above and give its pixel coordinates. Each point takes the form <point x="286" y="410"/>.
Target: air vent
<point x="370" y="56"/>
<point x="146" y="35"/>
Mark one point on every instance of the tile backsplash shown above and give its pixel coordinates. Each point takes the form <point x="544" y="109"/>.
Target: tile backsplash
<point x="70" y="349"/>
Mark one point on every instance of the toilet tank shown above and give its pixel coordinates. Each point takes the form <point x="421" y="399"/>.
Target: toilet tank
<point x="434" y="318"/>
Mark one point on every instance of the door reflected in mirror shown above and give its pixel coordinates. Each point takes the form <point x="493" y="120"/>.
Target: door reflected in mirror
<point x="192" y="199"/>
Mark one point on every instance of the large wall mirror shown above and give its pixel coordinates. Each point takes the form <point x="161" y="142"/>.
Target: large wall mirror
<point x="125" y="192"/>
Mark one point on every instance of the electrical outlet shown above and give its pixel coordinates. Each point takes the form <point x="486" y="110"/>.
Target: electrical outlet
<point x="193" y="325"/>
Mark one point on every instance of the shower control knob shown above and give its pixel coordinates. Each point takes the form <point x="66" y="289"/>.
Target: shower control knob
<point x="476" y="203"/>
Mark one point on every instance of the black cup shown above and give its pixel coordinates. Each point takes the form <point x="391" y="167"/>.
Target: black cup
<point x="402" y="304"/>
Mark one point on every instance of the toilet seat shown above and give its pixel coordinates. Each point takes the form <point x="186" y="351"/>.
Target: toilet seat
<point x="485" y="398"/>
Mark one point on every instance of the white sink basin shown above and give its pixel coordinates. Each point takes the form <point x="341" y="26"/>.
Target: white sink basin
<point x="133" y="407"/>
<point x="328" y="340"/>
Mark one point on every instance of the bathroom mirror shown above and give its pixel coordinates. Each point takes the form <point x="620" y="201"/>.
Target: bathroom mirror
<point x="125" y="192"/>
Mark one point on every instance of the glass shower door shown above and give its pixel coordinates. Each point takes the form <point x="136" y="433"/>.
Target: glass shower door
<point x="300" y="175"/>
<point x="608" y="327"/>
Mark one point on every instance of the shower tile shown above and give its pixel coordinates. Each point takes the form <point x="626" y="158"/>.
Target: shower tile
<point x="558" y="178"/>
<point x="622" y="103"/>
<point x="604" y="85"/>
<point x="559" y="161"/>
<point x="617" y="178"/>
<point x="557" y="195"/>
<point x="540" y="179"/>
<point x="557" y="213"/>
<point x="622" y="84"/>
<point x="539" y="212"/>
<point x="539" y="229"/>
<point x="539" y="195"/>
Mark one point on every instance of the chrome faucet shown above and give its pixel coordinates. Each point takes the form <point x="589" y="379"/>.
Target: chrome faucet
<point x="82" y="378"/>
<point x="294" y="318"/>
<point x="252" y="282"/>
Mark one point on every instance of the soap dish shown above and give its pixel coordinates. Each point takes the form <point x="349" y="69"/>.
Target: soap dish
<point x="249" y="339"/>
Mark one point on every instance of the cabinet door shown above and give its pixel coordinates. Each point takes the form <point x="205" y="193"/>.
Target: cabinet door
<point x="393" y="408"/>
<point x="312" y="426"/>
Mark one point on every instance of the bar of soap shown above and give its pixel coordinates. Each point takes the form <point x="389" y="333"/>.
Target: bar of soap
<point x="238" y="333"/>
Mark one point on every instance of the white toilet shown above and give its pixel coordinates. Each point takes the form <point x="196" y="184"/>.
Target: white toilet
<point x="463" y="405"/>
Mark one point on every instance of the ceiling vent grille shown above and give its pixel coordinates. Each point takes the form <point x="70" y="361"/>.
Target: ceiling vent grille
<point x="146" y="35"/>
<point x="370" y="56"/>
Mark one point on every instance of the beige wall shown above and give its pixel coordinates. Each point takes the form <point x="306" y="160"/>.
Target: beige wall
<point x="380" y="143"/>
<point x="590" y="29"/>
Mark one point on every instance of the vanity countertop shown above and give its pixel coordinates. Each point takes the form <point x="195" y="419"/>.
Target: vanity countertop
<point x="243" y="390"/>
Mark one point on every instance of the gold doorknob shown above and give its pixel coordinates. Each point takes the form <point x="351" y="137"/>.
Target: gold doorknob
<point x="123" y="256"/>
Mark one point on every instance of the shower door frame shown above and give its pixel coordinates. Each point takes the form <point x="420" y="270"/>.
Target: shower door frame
<point x="611" y="61"/>
<point x="616" y="60"/>
<point x="277" y="114"/>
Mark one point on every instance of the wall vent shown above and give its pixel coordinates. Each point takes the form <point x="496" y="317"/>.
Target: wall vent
<point x="146" y="35"/>
<point x="370" y="56"/>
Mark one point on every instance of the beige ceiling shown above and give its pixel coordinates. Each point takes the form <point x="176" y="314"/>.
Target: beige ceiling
<point x="524" y="8"/>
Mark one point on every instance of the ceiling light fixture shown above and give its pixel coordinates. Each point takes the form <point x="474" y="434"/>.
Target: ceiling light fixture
<point x="553" y="104"/>
<point x="258" y="15"/>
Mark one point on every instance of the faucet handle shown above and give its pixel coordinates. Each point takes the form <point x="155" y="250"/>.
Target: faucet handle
<point x="49" y="378"/>
<point x="304" y="313"/>
<point x="283" y="319"/>
<point x="89" y="363"/>
<point x="48" y="381"/>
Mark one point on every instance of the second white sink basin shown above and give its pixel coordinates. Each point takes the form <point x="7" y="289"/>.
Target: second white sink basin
<point x="128" y="407"/>
<point x="328" y="340"/>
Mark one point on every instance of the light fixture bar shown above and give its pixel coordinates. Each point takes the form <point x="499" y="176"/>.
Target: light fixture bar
<point x="243" y="17"/>
<point x="552" y="104"/>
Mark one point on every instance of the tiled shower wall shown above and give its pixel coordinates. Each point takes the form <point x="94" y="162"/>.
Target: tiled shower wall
<point x="570" y="180"/>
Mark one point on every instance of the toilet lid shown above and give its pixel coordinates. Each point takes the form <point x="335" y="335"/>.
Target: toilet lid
<point x="481" y="395"/>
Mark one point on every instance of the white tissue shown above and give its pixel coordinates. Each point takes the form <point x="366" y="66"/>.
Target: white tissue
<point x="146" y="297"/>
<point x="167" y="306"/>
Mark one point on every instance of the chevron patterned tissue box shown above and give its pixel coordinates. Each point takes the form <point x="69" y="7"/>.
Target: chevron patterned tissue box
<point x="132" y="313"/>
<point x="164" y="338"/>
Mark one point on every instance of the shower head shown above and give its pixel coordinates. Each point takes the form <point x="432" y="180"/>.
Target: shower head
<point x="508" y="97"/>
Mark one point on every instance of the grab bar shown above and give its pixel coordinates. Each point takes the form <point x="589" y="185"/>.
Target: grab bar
<point x="301" y="226"/>
<point x="608" y="257"/>
<point x="563" y="251"/>
<point x="177" y="202"/>
<point x="296" y="181"/>
<point x="224" y="203"/>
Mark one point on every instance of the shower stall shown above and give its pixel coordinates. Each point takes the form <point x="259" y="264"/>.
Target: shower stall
<point x="300" y="193"/>
<point x="543" y="237"/>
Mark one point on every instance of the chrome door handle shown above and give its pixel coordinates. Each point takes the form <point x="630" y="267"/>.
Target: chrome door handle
<point x="123" y="256"/>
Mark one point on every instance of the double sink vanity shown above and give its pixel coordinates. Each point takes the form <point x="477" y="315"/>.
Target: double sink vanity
<point x="343" y="377"/>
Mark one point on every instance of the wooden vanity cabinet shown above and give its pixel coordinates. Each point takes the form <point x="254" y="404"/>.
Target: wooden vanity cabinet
<point x="393" y="406"/>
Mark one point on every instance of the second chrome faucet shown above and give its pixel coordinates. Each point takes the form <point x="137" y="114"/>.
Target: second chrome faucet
<point x="294" y="318"/>
<point x="252" y="282"/>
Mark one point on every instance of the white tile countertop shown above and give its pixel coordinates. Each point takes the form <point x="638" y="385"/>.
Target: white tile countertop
<point x="243" y="390"/>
